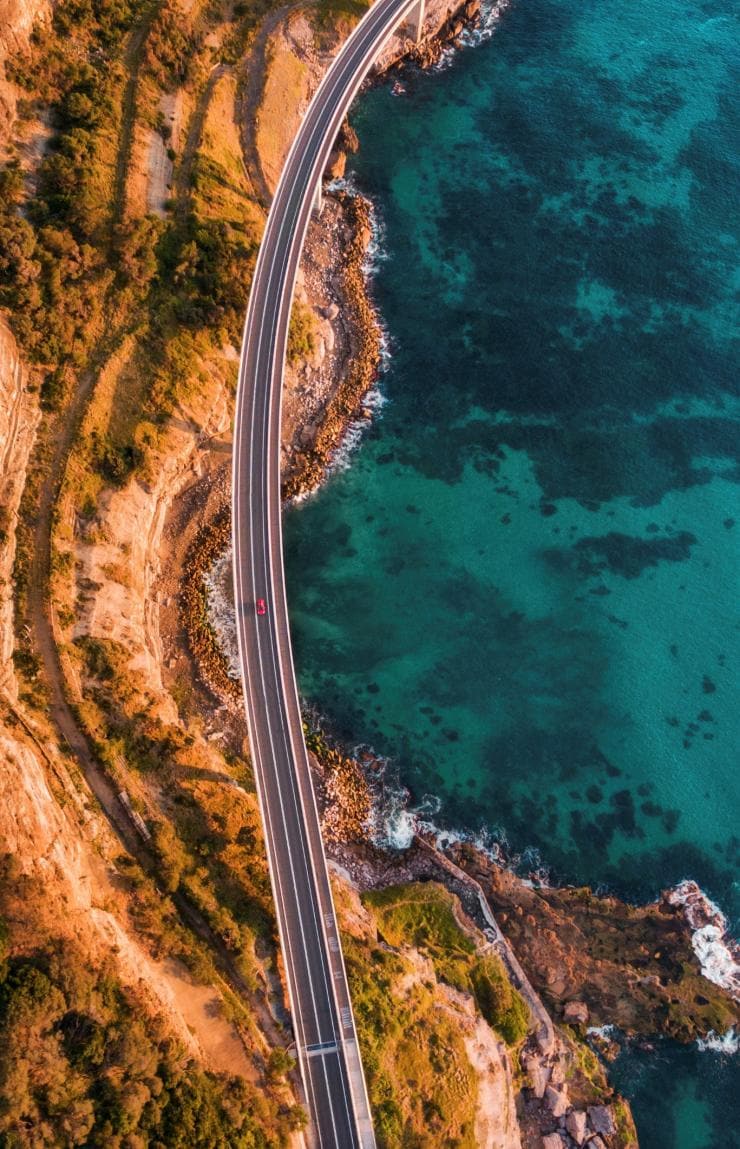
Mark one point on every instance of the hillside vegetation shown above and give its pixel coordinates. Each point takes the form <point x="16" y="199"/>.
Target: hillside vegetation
<point x="123" y="318"/>
<point x="418" y="982"/>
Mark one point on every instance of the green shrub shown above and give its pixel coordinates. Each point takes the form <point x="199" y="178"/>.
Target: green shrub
<point x="501" y="1005"/>
<point x="83" y="1063"/>
<point x="301" y="333"/>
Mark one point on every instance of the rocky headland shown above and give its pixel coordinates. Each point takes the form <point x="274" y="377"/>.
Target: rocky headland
<point x="593" y="970"/>
<point x="170" y="842"/>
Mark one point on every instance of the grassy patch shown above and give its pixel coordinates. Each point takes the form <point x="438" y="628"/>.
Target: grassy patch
<point x="501" y="1005"/>
<point x="422" y="1087"/>
<point x="422" y="915"/>
<point x="220" y="186"/>
<point x="301" y="333"/>
<point x="341" y="14"/>
<point x="285" y="89"/>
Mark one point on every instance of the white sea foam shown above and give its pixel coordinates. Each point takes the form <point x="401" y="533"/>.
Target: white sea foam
<point x="727" y="1043"/>
<point x="399" y="830"/>
<point x="718" y="954"/>
<point x="490" y="15"/>
<point x="377" y="249"/>
<point x="221" y="613"/>
<point x="341" y="456"/>
<point x="446" y="56"/>
<point x="374" y="400"/>
<point x="395" y="822"/>
<point x="601" y="1032"/>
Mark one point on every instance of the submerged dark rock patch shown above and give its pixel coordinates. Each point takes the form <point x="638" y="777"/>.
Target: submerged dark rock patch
<point x="620" y="554"/>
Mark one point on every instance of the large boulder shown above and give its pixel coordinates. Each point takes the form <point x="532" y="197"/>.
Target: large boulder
<point x="577" y="1125"/>
<point x="601" y="1119"/>
<point x="556" y="1101"/>
<point x="575" y="1013"/>
<point x="553" y="1141"/>
<point x="538" y="1075"/>
<point x="557" y="1074"/>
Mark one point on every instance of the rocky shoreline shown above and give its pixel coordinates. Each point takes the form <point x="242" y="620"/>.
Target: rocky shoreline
<point x="634" y="967"/>
<point x="308" y="452"/>
<point x="595" y="965"/>
<point x="327" y="395"/>
<point x="203" y="640"/>
<point x="346" y="231"/>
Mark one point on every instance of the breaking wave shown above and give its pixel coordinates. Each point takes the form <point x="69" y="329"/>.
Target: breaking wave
<point x="727" y="1043"/>
<point x="602" y="1032"/>
<point x="221" y="613"/>
<point x="341" y="457"/>
<point x="718" y="953"/>
<point x="394" y="822"/>
<point x="490" y="15"/>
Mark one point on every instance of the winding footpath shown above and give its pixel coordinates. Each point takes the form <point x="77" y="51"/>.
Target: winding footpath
<point x="324" y="1027"/>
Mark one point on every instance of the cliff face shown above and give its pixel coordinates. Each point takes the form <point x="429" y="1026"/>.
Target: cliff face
<point x="17" y="18"/>
<point x="19" y="417"/>
<point x="118" y="577"/>
<point x="66" y="887"/>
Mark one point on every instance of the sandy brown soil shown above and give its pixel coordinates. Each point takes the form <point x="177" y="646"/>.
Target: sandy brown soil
<point x="19" y="417"/>
<point x="17" y="19"/>
<point x="66" y="847"/>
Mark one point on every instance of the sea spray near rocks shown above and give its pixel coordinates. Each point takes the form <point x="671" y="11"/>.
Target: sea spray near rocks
<point x="724" y="1043"/>
<point x="374" y="399"/>
<point x="221" y="614"/>
<point x="601" y="1032"/>
<point x="341" y="456"/>
<point x="472" y="35"/>
<point x="718" y="954"/>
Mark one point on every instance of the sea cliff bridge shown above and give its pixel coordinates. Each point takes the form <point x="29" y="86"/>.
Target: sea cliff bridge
<point x="325" y="1035"/>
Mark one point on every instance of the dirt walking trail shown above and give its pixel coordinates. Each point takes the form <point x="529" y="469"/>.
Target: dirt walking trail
<point x="252" y="75"/>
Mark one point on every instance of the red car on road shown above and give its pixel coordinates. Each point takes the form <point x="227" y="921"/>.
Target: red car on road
<point x="261" y="606"/>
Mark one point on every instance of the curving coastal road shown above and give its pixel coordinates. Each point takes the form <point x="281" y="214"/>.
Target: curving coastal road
<point x="325" y="1035"/>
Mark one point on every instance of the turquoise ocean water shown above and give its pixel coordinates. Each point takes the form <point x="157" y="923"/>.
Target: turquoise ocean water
<point x="523" y="590"/>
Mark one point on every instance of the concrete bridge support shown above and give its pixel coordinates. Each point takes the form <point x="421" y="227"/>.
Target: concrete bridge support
<point x="318" y="196"/>
<point x="416" y="20"/>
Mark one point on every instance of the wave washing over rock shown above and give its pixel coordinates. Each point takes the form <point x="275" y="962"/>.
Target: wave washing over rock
<point x="341" y="458"/>
<point x="374" y="400"/>
<point x="718" y="954"/>
<point x="490" y="15"/>
<point x="726" y="1043"/>
<point x="221" y="613"/>
<point x="602" y="1032"/>
<point x="394" y="824"/>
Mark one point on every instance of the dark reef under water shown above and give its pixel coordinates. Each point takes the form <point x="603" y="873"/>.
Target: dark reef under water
<point x="523" y="589"/>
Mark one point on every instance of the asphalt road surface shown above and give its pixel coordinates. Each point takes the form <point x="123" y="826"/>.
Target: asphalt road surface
<point x="325" y="1035"/>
